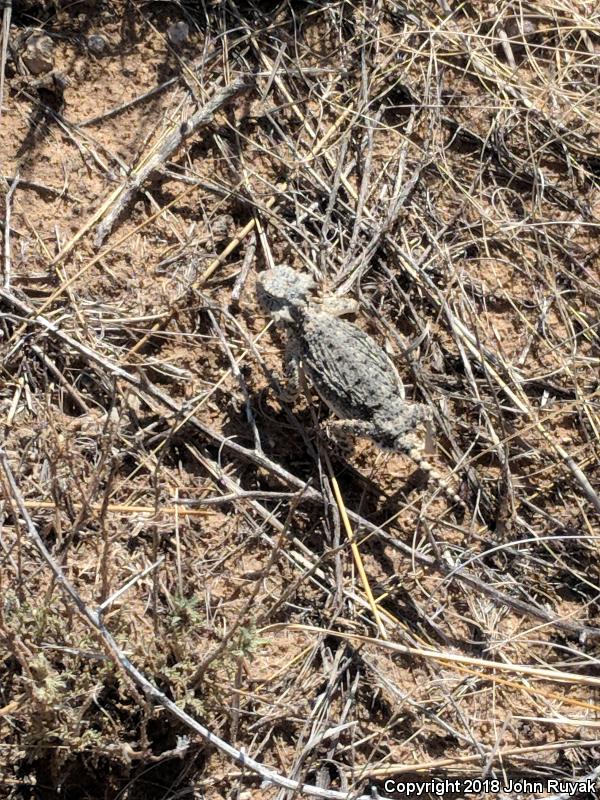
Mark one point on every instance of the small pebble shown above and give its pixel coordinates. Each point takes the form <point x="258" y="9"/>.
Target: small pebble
<point x="38" y="55"/>
<point x="178" y="33"/>
<point x="96" y="44"/>
<point x="520" y="28"/>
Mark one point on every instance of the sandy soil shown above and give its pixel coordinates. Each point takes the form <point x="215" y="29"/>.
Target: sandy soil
<point x="441" y="168"/>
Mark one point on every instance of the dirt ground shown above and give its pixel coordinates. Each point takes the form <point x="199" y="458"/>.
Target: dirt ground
<point x="174" y="551"/>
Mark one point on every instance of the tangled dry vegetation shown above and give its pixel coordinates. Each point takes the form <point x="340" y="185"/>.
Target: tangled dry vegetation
<point x="175" y="554"/>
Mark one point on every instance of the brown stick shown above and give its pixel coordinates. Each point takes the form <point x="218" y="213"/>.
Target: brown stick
<point x="171" y="143"/>
<point x="94" y="620"/>
<point x="150" y="390"/>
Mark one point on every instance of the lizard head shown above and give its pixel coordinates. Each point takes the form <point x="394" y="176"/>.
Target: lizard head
<point x="282" y="291"/>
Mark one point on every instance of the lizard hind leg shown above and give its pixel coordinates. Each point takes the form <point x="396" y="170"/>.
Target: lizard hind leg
<point x="343" y="431"/>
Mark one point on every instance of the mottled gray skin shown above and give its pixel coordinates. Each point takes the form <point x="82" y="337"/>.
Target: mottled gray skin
<point x="348" y="369"/>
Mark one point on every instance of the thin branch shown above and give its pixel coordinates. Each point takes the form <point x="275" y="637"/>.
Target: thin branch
<point x="168" y="146"/>
<point x="146" y="388"/>
<point x="152" y="693"/>
<point x="7" y="210"/>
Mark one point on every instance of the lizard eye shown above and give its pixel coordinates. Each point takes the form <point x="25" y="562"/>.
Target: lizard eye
<point x="282" y="315"/>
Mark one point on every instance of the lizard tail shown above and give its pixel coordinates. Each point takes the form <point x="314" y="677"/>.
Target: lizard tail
<point x="435" y="477"/>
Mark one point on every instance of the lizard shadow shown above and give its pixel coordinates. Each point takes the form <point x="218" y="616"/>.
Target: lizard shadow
<point x="288" y="437"/>
<point x="297" y="437"/>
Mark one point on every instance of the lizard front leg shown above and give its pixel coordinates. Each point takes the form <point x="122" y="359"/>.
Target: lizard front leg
<point x="294" y="374"/>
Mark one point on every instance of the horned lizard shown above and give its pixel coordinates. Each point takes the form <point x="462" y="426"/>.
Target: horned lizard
<point x="351" y="373"/>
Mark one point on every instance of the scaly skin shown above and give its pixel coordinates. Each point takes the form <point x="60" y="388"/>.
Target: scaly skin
<point x="353" y="376"/>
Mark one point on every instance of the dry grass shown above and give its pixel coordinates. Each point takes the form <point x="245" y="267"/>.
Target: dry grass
<point x="198" y="591"/>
